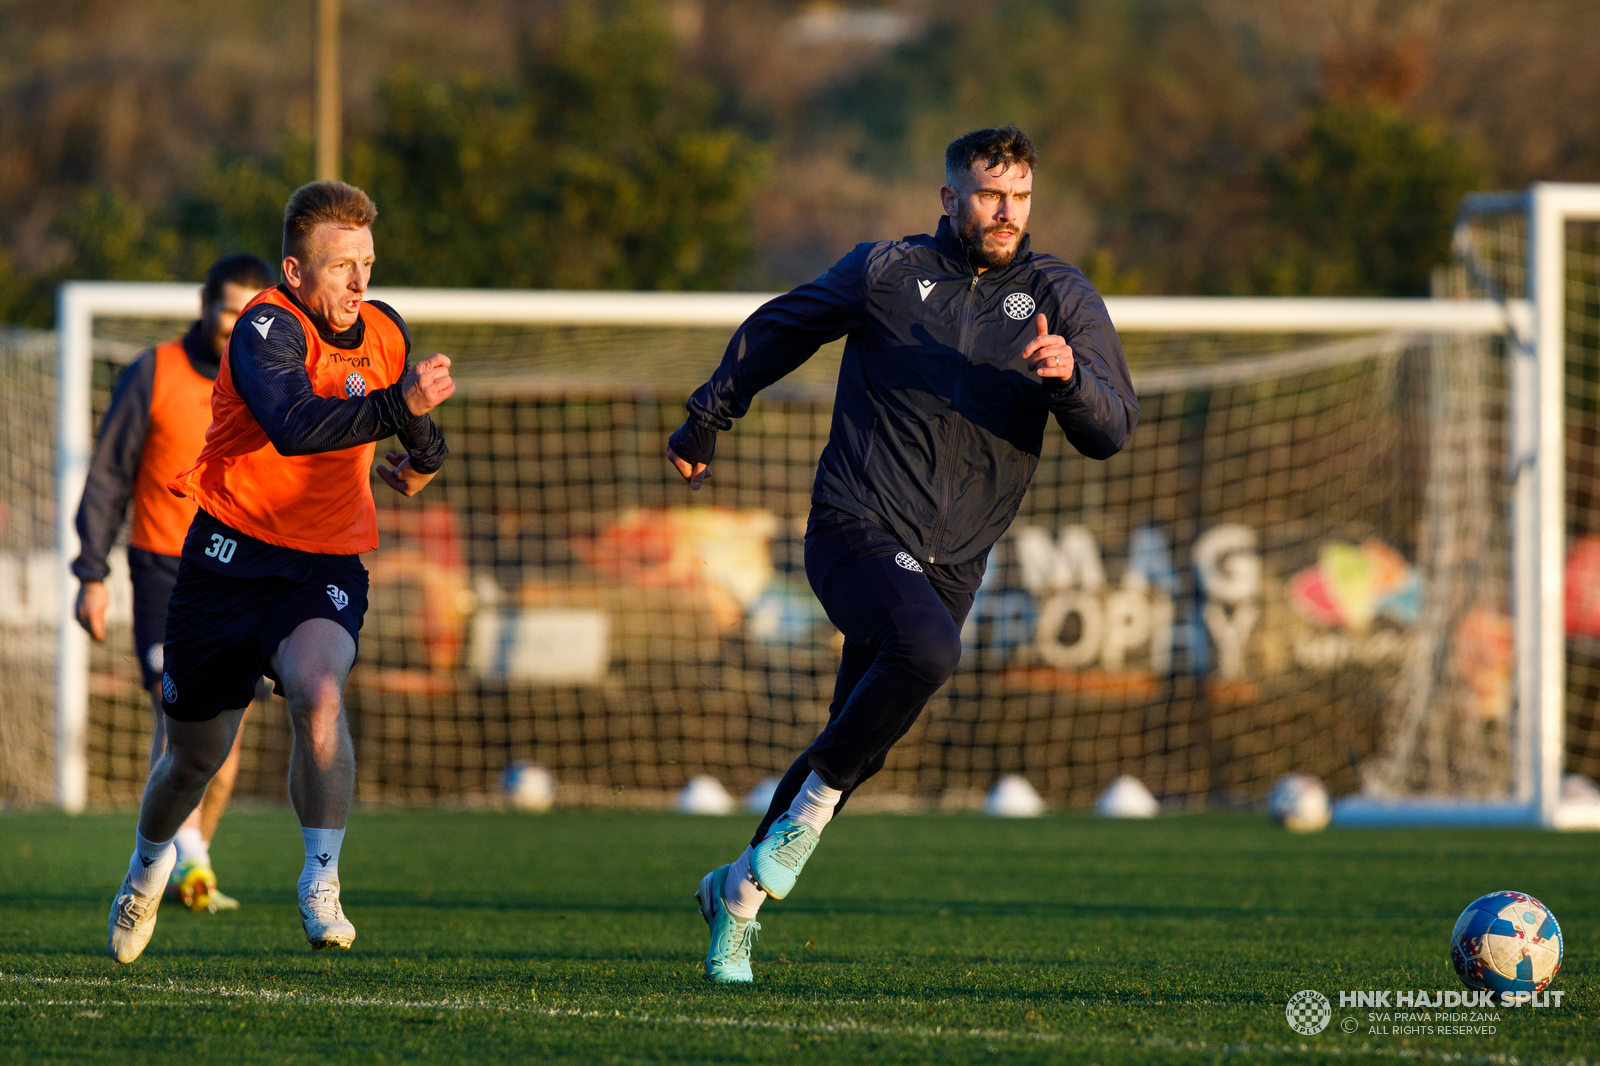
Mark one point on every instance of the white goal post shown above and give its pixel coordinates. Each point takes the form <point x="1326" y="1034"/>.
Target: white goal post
<point x="1533" y="328"/>
<point x="1537" y="350"/>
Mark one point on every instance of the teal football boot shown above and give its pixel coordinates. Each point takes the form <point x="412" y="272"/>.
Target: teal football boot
<point x="728" y="958"/>
<point x="776" y="862"/>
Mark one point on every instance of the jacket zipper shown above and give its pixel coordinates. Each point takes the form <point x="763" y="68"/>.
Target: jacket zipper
<point x="955" y="401"/>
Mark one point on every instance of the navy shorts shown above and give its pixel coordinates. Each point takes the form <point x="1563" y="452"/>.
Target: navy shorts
<point x="222" y="631"/>
<point x="153" y="577"/>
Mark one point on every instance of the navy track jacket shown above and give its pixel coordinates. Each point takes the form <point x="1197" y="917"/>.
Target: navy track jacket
<point x="938" y="421"/>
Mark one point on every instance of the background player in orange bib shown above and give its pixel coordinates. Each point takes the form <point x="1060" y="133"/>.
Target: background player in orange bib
<point x="152" y="431"/>
<point x="270" y="579"/>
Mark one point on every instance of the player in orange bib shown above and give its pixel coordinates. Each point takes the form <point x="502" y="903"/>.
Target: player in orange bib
<point x="270" y="580"/>
<point x="154" y="429"/>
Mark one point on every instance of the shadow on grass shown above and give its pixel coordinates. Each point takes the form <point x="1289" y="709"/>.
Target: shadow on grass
<point x="834" y="907"/>
<point x="794" y="985"/>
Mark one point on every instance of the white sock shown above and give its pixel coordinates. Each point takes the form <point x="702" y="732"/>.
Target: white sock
<point x="322" y="856"/>
<point x="191" y="848"/>
<point x="147" y="858"/>
<point x="742" y="895"/>
<point x="815" y="803"/>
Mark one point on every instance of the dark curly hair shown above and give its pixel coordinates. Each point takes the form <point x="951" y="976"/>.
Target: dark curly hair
<point x="999" y="146"/>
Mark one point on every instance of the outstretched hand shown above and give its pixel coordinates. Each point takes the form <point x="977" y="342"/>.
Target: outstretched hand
<point x="1048" y="355"/>
<point x="428" y="384"/>
<point x="404" y="478"/>
<point x="695" y="474"/>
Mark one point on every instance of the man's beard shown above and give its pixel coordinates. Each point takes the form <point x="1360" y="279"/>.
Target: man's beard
<point x="983" y="258"/>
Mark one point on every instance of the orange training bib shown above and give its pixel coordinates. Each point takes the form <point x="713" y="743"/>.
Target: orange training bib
<point x="180" y="412"/>
<point x="314" y="503"/>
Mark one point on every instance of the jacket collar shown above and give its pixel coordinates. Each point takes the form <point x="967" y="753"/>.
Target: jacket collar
<point x="948" y="241"/>
<point x="350" y="338"/>
<point x="198" y="349"/>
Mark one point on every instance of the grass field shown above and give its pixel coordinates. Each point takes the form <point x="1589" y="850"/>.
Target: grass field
<point x="572" y="937"/>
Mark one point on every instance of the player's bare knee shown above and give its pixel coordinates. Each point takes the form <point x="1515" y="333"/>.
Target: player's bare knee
<point x="190" y="765"/>
<point x="315" y="702"/>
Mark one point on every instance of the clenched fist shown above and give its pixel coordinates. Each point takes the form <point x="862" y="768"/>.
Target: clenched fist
<point x="694" y="473"/>
<point x="1049" y="355"/>
<point x="428" y="384"/>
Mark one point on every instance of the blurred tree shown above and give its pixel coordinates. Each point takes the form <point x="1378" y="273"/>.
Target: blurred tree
<point x="1147" y="115"/>
<point x="1179" y="137"/>
<point x="235" y="205"/>
<point x="1101" y="268"/>
<point x="111" y="238"/>
<point x="1158" y="115"/>
<point x="25" y="298"/>
<point x="601" y="167"/>
<point x="1363" y="205"/>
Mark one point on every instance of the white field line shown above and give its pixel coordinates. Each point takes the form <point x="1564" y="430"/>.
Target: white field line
<point x="835" y="1028"/>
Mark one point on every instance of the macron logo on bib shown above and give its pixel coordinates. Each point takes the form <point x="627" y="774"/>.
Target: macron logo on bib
<point x="263" y="324"/>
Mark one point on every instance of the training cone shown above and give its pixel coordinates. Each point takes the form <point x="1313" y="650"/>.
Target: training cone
<point x="1126" y="797"/>
<point x="1013" y="797"/>
<point x="1575" y="788"/>
<point x="704" y="794"/>
<point x="760" y="797"/>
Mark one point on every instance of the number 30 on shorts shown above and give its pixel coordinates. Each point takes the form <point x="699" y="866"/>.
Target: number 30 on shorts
<point x="222" y="548"/>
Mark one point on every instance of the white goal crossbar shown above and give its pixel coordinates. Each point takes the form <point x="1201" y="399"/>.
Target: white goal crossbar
<point x="1536" y="432"/>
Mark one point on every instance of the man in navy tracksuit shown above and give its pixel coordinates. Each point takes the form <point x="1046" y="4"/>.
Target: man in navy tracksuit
<point x="960" y="347"/>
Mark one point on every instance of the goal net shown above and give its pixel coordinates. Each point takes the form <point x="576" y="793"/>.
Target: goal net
<point x="1300" y="563"/>
<point x="29" y="570"/>
<point x="1545" y="245"/>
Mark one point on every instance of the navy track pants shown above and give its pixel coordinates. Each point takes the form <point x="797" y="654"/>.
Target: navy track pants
<point x="901" y="621"/>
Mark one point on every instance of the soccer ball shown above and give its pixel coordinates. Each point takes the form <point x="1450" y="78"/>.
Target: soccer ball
<point x="1506" y="942"/>
<point x="529" y="786"/>
<point x="1299" y="803"/>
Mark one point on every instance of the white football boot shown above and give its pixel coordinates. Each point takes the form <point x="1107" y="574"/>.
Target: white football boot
<point x="323" y="917"/>
<point x="133" y="916"/>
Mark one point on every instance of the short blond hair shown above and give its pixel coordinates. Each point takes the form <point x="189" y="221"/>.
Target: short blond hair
<point x="321" y="202"/>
